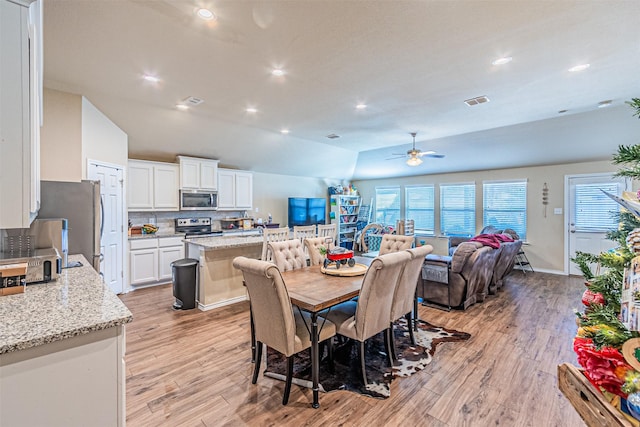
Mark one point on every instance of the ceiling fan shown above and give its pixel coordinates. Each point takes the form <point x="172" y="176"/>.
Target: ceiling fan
<point x="414" y="155"/>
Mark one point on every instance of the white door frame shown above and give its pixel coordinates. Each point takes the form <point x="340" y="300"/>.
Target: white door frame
<point x="123" y="234"/>
<point x="567" y="218"/>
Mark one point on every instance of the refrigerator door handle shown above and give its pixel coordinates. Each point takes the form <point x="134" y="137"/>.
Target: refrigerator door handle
<point x="101" y="217"/>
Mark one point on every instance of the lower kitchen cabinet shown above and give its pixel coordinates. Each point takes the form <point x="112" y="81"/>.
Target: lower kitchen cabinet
<point x="150" y="259"/>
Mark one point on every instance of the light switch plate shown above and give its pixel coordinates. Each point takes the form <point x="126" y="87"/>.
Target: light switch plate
<point x="557" y="211"/>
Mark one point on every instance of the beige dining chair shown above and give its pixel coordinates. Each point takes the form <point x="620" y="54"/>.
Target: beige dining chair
<point x="276" y="324"/>
<point x="395" y="243"/>
<point x="328" y="230"/>
<point x="370" y="314"/>
<point x="272" y="235"/>
<point x="288" y="254"/>
<point x="405" y="292"/>
<point x="313" y="246"/>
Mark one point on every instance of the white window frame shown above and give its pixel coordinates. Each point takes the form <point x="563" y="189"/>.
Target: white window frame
<point x="520" y="229"/>
<point x="419" y="228"/>
<point x="390" y="187"/>
<point x="470" y="232"/>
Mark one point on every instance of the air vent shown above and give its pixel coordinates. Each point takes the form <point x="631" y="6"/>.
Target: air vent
<point x="192" y="101"/>
<point x="477" y="100"/>
<point x="333" y="136"/>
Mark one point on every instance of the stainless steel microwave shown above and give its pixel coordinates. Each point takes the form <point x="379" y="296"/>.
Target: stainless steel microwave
<point x="198" y="200"/>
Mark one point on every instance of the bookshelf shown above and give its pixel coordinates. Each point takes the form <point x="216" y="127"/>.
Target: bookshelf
<point x="344" y="213"/>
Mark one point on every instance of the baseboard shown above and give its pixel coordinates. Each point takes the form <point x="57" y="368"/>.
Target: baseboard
<point x="230" y="301"/>
<point x="541" y="270"/>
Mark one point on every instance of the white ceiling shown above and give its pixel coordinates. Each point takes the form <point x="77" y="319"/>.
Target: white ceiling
<point x="412" y="62"/>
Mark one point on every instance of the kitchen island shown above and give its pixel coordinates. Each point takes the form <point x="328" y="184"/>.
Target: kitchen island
<point x="219" y="283"/>
<point x="61" y="352"/>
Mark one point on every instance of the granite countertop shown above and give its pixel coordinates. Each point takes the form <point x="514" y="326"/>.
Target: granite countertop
<point x="155" y="236"/>
<point x="223" y="242"/>
<point x="77" y="303"/>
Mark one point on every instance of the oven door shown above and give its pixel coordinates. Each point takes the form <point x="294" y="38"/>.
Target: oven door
<point x="194" y="200"/>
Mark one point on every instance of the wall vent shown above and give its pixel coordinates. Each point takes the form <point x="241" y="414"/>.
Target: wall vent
<point x="192" y="101"/>
<point x="333" y="136"/>
<point x="477" y="100"/>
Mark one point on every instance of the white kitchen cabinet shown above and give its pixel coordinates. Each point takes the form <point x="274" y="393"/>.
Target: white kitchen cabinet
<point x="21" y="106"/>
<point x="198" y="174"/>
<point x="151" y="258"/>
<point x="153" y="186"/>
<point x="235" y="190"/>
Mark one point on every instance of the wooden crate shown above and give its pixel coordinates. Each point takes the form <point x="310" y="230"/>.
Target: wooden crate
<point x="592" y="405"/>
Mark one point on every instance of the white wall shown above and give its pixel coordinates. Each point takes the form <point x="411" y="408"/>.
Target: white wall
<point x="102" y="140"/>
<point x="61" y="137"/>
<point x="545" y="234"/>
<point x="271" y="193"/>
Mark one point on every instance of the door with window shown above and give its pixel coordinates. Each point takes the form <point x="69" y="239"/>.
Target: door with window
<point x="590" y="213"/>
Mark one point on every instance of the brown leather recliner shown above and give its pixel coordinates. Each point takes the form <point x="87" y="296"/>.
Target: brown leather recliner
<point x="504" y="265"/>
<point x="453" y="280"/>
<point x="487" y="270"/>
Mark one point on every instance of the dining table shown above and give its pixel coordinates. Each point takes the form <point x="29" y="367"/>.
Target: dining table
<point x="314" y="291"/>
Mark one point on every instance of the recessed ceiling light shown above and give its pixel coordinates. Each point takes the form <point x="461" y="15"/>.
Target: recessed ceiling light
<point x="562" y="111"/>
<point x="277" y="72"/>
<point x="503" y="60"/>
<point x="604" y="104"/>
<point x="182" y="107"/>
<point x="580" y="67"/>
<point x="284" y="131"/>
<point x="150" y="78"/>
<point x="206" y="14"/>
<point x="361" y="106"/>
<point x="251" y="110"/>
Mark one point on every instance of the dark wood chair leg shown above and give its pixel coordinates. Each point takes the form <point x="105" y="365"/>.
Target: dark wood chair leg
<point x="253" y="337"/>
<point x="256" y="368"/>
<point x="362" y="364"/>
<point x="287" y="385"/>
<point x="392" y="342"/>
<point x="387" y="343"/>
<point x="409" y="318"/>
<point x="416" y="317"/>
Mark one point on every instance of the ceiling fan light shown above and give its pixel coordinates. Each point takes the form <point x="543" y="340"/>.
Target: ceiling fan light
<point x="414" y="161"/>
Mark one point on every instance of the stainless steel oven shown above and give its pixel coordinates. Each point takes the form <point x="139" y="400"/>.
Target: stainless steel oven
<point x="198" y="200"/>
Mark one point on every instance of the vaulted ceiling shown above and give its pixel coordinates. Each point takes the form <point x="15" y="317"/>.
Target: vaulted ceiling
<point x="412" y="63"/>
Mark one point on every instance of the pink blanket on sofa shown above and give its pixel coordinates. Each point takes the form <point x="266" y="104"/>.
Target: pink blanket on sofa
<point x="492" y="240"/>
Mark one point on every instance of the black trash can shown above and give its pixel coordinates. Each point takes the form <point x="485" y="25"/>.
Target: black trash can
<point x="185" y="277"/>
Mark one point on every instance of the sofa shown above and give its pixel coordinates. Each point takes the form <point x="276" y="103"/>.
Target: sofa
<point x="455" y="281"/>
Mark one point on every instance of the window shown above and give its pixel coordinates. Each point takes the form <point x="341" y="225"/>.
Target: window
<point x="458" y="209"/>
<point x="593" y="208"/>
<point x="504" y="205"/>
<point x="387" y="205"/>
<point x="419" y="206"/>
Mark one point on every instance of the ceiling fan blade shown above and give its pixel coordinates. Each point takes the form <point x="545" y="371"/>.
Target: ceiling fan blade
<point x="396" y="156"/>
<point x="435" y="156"/>
<point x="424" y="153"/>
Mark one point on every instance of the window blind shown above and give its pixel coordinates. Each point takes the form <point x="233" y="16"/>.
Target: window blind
<point x="504" y="205"/>
<point x="420" y="207"/>
<point x="595" y="210"/>
<point x="458" y="209"/>
<point x="387" y="205"/>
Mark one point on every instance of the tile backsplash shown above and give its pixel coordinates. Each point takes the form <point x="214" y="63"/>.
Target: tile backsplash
<point x="165" y="220"/>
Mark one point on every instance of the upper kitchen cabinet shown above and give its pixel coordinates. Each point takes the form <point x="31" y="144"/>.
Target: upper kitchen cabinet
<point x="235" y="189"/>
<point x="153" y="186"/>
<point x="21" y="106"/>
<point x="198" y="174"/>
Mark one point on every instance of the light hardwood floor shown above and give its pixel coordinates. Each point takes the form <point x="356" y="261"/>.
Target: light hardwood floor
<point x="193" y="368"/>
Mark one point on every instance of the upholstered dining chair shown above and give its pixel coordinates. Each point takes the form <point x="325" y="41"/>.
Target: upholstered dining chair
<point x="395" y="243"/>
<point x="313" y="248"/>
<point x="288" y="254"/>
<point x="272" y="235"/>
<point x="405" y="292"/>
<point x="370" y="314"/>
<point x="328" y="230"/>
<point x="276" y="324"/>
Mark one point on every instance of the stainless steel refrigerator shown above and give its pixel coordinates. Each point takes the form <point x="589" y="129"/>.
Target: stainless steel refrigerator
<point x="80" y="203"/>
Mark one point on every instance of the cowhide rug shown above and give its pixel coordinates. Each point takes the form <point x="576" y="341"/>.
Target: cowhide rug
<point x="346" y="374"/>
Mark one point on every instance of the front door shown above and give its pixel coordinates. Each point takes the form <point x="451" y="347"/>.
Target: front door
<point x="589" y="213"/>
<point x="111" y="241"/>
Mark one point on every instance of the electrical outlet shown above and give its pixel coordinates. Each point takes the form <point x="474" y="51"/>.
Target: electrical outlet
<point x="557" y="211"/>
<point x="257" y="210"/>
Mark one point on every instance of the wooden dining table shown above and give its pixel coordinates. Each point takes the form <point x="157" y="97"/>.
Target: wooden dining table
<point x="313" y="291"/>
